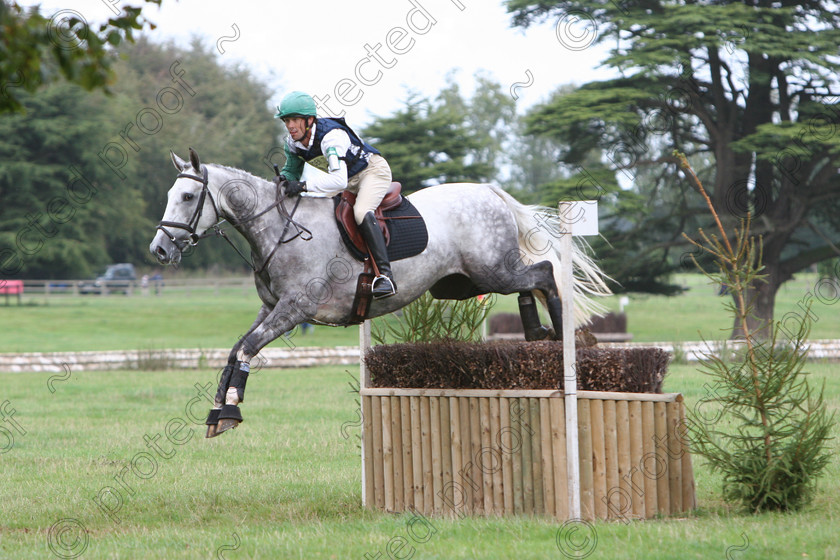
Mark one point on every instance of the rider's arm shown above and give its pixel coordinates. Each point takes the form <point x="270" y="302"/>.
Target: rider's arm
<point x="335" y="180"/>
<point x="293" y="168"/>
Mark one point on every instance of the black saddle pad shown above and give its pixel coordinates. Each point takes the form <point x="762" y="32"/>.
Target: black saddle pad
<point x="408" y="232"/>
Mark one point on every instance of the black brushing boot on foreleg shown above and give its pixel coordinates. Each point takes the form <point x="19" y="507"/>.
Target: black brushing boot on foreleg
<point x="227" y="416"/>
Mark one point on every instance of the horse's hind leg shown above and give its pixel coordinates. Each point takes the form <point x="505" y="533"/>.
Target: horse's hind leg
<point x="534" y="330"/>
<point x="524" y="279"/>
<point x="548" y="287"/>
<point x="555" y="313"/>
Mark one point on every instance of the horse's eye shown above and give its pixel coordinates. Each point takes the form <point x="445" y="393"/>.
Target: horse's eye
<point x="188" y="197"/>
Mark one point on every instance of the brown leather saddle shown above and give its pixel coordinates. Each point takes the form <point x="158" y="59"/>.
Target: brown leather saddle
<point x="405" y="235"/>
<point x="344" y="215"/>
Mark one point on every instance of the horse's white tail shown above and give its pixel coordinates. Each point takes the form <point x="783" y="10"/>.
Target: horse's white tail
<point x="539" y="231"/>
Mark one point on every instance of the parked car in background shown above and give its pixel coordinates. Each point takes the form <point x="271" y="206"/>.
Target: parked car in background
<point x="117" y="278"/>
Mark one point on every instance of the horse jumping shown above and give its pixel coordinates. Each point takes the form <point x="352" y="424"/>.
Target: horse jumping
<point x="480" y="240"/>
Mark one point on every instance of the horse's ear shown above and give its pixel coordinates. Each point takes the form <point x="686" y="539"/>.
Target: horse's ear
<point x="196" y="163"/>
<point x="179" y="164"/>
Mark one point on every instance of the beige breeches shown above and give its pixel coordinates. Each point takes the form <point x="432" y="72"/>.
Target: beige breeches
<point x="370" y="186"/>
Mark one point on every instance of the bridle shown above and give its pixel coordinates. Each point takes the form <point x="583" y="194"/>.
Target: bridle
<point x="191" y="226"/>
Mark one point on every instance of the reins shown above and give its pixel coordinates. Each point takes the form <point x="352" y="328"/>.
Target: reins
<point x="279" y="204"/>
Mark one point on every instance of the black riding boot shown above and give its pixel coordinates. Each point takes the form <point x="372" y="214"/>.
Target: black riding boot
<point x="383" y="285"/>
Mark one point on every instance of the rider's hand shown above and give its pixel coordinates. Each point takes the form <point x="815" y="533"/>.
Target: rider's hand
<point x="294" y="188"/>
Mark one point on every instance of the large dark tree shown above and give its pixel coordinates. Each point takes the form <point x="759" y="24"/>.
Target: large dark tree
<point x="748" y="90"/>
<point x="84" y="176"/>
<point x="429" y="142"/>
<point x="59" y="207"/>
<point x="38" y="49"/>
<point x="223" y="112"/>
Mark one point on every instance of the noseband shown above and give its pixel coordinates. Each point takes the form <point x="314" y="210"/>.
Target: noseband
<point x="190" y="226"/>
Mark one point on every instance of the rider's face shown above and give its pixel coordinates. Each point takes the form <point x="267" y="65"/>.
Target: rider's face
<point x="296" y="127"/>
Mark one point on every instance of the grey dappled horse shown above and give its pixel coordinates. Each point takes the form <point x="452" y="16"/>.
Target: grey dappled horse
<point x="481" y="240"/>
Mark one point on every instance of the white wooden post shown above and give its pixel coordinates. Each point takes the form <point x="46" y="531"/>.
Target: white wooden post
<point x="577" y="218"/>
<point x="364" y="344"/>
<point x="364" y="383"/>
<point x="569" y="353"/>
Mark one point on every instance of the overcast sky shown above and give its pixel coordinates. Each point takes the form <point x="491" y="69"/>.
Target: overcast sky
<point x="362" y="58"/>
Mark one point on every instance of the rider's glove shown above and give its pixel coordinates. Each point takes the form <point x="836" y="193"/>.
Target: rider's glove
<point x="294" y="188"/>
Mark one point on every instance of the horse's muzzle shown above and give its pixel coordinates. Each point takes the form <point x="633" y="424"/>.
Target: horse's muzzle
<point x="164" y="249"/>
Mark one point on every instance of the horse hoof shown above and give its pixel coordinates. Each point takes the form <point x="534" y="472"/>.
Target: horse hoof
<point x="540" y="333"/>
<point x="212" y="421"/>
<point x="225" y="425"/>
<point x="229" y="417"/>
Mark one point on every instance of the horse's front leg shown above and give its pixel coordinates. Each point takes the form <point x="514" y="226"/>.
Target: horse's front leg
<point x="226" y="377"/>
<point x="231" y="390"/>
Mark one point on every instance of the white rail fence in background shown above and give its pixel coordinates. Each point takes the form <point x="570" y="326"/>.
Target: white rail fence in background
<point x="301" y="356"/>
<point x="48" y="288"/>
<point x="190" y="358"/>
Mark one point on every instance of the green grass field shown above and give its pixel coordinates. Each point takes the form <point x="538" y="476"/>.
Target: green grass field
<point x="215" y="319"/>
<point x="111" y="465"/>
<point x="115" y="465"/>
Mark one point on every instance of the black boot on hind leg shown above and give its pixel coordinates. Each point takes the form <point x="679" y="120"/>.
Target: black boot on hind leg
<point x="531" y="318"/>
<point x="555" y="311"/>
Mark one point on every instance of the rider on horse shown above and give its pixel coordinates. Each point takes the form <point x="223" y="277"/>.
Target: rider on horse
<point x="352" y="164"/>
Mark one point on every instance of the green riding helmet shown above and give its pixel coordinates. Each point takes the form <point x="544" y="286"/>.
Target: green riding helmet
<point x="296" y="104"/>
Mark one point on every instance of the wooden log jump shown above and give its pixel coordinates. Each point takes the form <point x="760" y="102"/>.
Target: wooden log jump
<point x="457" y="452"/>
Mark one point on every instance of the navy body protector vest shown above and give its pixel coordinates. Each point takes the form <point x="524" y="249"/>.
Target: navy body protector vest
<point x="358" y="148"/>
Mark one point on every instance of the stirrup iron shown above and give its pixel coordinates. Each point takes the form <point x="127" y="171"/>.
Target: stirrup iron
<point x="383" y="287"/>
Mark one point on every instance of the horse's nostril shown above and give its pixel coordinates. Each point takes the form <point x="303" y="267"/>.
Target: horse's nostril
<point x="160" y="251"/>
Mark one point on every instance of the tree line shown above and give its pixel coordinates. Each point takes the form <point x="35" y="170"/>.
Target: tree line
<point x="748" y="90"/>
<point x="84" y="176"/>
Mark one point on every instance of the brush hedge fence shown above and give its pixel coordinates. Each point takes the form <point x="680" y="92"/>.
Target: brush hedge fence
<point x="458" y="428"/>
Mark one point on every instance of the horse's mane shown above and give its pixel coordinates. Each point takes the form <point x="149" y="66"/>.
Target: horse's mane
<point x="239" y="173"/>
